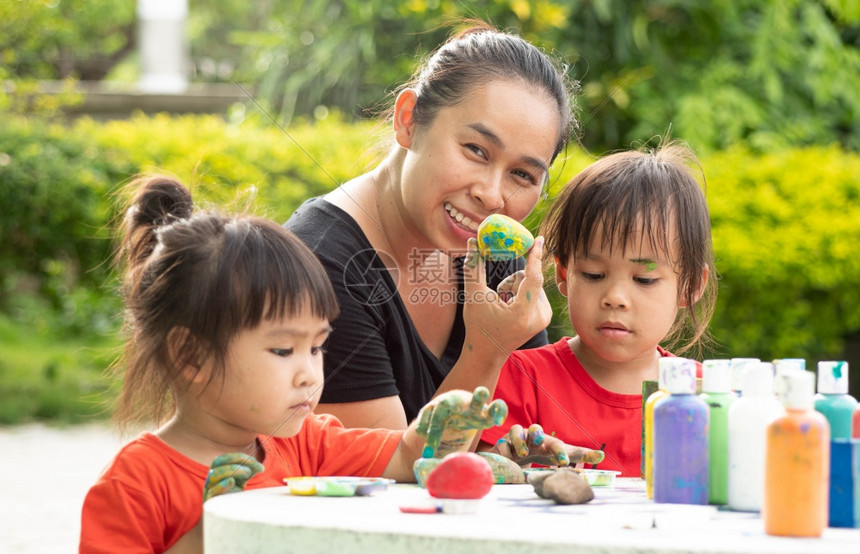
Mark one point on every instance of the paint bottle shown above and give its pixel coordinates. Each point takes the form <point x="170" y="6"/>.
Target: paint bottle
<point x="681" y="438"/>
<point x="797" y="460"/>
<point x="717" y="394"/>
<point x="649" y="387"/>
<point x="855" y="426"/>
<point x="833" y="399"/>
<point x="648" y="415"/>
<point x="749" y="417"/>
<point x="835" y="404"/>
<point x="739" y="365"/>
<point x="780" y="368"/>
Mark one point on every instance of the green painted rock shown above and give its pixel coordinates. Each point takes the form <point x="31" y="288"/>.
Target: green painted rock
<point x="503" y="238"/>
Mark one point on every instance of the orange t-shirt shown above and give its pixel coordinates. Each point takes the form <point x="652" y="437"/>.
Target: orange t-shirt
<point x="150" y="495"/>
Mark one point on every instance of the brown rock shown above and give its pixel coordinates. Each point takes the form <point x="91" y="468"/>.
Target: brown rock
<point x="565" y="486"/>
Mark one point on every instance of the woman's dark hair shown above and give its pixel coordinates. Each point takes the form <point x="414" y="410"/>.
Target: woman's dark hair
<point x="654" y="197"/>
<point x="479" y="54"/>
<point x="193" y="281"/>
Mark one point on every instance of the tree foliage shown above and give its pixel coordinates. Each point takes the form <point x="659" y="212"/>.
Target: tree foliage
<point x="766" y="73"/>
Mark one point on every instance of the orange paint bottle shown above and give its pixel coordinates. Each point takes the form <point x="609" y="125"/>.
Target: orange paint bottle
<point x="797" y="463"/>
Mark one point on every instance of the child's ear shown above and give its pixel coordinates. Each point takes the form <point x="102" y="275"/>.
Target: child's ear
<point x="560" y="276"/>
<point x="404" y="120"/>
<point x="701" y="290"/>
<point x="185" y="354"/>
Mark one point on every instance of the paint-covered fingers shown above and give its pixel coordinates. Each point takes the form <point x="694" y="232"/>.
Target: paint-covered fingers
<point x="515" y="444"/>
<point x="432" y="422"/>
<point x="229" y="473"/>
<point x="582" y="455"/>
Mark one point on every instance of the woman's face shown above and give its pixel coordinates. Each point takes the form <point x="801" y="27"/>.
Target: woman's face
<point x="487" y="154"/>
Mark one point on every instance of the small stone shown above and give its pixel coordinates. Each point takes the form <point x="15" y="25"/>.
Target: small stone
<point x="565" y="486"/>
<point x="503" y="238"/>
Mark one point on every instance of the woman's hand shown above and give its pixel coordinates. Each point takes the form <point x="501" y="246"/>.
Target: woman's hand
<point x="497" y="323"/>
<point x="451" y="421"/>
<point x="533" y="446"/>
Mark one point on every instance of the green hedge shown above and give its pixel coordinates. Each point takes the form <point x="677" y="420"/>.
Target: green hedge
<point x="786" y="225"/>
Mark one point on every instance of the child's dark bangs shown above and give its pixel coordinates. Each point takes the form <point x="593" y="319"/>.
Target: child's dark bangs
<point x="287" y="280"/>
<point x="627" y="217"/>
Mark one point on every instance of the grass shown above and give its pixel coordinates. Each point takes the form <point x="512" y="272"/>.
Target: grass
<point x="45" y="378"/>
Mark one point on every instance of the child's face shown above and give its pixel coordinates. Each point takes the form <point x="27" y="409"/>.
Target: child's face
<point x="621" y="304"/>
<point x="486" y="154"/>
<point x="274" y="376"/>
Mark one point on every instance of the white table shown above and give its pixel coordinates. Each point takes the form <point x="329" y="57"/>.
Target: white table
<point x="511" y="519"/>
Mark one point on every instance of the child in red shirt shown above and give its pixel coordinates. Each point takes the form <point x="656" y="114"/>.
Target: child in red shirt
<point x="631" y="240"/>
<point x="227" y="318"/>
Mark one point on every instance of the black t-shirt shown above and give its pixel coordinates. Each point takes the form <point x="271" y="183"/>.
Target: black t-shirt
<point x="375" y="350"/>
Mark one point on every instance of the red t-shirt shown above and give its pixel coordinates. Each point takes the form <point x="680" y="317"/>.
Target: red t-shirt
<point x="150" y="495"/>
<point x="549" y="386"/>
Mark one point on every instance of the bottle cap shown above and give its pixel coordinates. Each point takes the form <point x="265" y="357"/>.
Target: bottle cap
<point x="798" y="390"/>
<point x="798" y="361"/>
<point x="786" y="365"/>
<point x="783" y="367"/>
<point x="662" y="366"/>
<point x="716" y="376"/>
<point x="833" y="377"/>
<point x="758" y="379"/>
<point x="738" y="367"/>
<point x="680" y="375"/>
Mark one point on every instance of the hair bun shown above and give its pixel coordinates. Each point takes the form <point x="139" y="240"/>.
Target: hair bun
<point x="160" y="201"/>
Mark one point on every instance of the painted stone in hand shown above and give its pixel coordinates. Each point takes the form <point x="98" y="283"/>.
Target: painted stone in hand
<point x="503" y="238"/>
<point x="461" y="475"/>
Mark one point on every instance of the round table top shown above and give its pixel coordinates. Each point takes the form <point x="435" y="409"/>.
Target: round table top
<point x="620" y="519"/>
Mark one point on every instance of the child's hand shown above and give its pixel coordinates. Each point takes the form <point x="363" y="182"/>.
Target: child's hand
<point x="229" y="473"/>
<point x="452" y="420"/>
<point x="533" y="446"/>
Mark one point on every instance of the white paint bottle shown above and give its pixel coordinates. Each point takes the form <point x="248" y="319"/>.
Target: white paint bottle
<point x="749" y="417"/>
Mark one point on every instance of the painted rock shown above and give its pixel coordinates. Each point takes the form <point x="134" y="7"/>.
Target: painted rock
<point x="563" y="486"/>
<point x="460" y="475"/>
<point x="503" y="238"/>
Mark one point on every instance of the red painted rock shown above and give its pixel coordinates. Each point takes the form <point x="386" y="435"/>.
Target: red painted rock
<point x="461" y="475"/>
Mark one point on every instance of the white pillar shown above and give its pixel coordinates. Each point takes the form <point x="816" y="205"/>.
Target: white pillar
<point x="163" y="45"/>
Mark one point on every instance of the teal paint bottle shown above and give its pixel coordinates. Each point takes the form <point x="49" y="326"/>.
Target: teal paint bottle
<point x="717" y="394"/>
<point x="835" y="404"/>
<point x="833" y="399"/>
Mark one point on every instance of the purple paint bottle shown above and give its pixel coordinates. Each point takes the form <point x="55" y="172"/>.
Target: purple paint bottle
<point x="681" y="439"/>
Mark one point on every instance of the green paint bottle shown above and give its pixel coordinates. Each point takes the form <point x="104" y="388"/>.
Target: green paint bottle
<point x="833" y="399"/>
<point x="717" y="394"/>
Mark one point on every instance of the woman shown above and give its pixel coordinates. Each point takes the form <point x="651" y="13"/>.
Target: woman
<point x="475" y="131"/>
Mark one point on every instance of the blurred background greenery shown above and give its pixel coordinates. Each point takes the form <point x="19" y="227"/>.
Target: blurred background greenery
<point x="764" y="90"/>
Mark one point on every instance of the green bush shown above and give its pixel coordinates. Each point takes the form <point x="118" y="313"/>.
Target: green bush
<point x="785" y="229"/>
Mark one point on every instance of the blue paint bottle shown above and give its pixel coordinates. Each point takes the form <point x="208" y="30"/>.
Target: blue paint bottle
<point x="834" y="403"/>
<point x="681" y="438"/>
